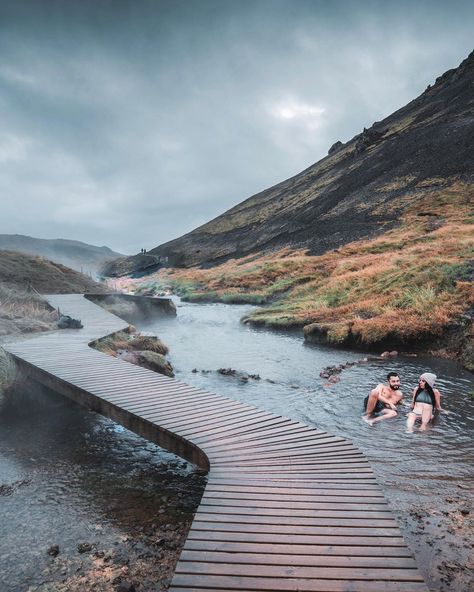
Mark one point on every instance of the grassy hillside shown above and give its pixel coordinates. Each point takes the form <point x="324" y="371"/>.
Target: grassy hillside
<point x="21" y="270"/>
<point x="22" y="310"/>
<point x="410" y="285"/>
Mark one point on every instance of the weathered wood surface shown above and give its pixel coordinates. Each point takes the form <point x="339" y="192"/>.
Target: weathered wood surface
<point x="287" y="507"/>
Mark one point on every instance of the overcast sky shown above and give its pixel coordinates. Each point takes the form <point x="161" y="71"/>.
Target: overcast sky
<point x="129" y="123"/>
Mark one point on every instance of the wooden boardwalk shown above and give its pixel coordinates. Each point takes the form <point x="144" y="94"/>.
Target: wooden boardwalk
<point x="287" y="507"/>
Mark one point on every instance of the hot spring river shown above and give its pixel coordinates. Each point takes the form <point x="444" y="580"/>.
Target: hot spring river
<point x="68" y="476"/>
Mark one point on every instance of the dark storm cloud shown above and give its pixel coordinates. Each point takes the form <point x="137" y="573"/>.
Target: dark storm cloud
<point x="130" y="123"/>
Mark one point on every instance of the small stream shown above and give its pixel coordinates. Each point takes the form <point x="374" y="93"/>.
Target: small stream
<point x="69" y="476"/>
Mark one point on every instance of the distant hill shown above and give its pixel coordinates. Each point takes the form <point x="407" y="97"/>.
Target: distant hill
<point x="74" y="254"/>
<point x="359" y="190"/>
<point x="18" y="270"/>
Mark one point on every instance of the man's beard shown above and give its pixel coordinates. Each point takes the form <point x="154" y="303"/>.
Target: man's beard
<point x="395" y="388"/>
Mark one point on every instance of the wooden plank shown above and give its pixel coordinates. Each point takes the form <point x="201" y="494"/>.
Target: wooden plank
<point x="236" y="520"/>
<point x="285" y="472"/>
<point x="293" y="529"/>
<point x="271" y="425"/>
<point x="227" y="421"/>
<point x="312" y="550"/>
<point x="267" y="509"/>
<point x="301" y="559"/>
<point x="291" y="433"/>
<point x="335" y="450"/>
<point x="353" y="479"/>
<point x="258" y="440"/>
<point x="292" y="538"/>
<point x="289" y="501"/>
<point x="303" y="446"/>
<point x="306" y="572"/>
<point x="187" y="583"/>
<point x="281" y="487"/>
<point x="203" y="434"/>
<point x="295" y="463"/>
<point x="166" y="391"/>
<point x="183" y="409"/>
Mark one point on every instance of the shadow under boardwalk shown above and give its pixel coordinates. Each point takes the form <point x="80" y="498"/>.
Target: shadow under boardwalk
<point x="287" y="507"/>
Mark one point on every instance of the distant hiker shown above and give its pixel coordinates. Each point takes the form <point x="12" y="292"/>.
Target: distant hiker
<point x="426" y="401"/>
<point x="382" y="401"/>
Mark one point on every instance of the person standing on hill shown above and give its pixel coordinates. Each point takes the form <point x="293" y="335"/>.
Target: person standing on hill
<point x="382" y="401"/>
<point x="426" y="400"/>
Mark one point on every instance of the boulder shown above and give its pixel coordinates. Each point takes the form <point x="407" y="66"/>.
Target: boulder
<point x="148" y="343"/>
<point x="335" y="147"/>
<point x="153" y="361"/>
<point x="67" y="322"/>
<point x="367" y="138"/>
<point x="53" y="550"/>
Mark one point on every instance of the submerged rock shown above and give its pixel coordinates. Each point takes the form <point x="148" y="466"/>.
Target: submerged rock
<point x="227" y="371"/>
<point x="389" y="354"/>
<point x="156" y="362"/>
<point x="53" y="550"/>
<point x="151" y="360"/>
<point x="84" y="547"/>
<point x="244" y="376"/>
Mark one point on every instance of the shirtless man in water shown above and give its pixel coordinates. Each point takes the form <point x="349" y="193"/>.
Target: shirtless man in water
<point x="383" y="399"/>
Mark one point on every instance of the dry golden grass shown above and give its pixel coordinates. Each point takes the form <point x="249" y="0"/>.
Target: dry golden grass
<point x="407" y="283"/>
<point x="397" y="183"/>
<point x="22" y="311"/>
<point x="45" y="276"/>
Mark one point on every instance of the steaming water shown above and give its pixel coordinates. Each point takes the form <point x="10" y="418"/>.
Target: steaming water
<point x="69" y="476"/>
<point x="76" y="477"/>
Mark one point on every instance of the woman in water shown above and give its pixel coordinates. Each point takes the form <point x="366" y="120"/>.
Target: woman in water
<point x="426" y="400"/>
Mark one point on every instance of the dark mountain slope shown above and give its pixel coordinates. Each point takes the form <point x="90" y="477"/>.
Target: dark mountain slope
<point x="358" y="190"/>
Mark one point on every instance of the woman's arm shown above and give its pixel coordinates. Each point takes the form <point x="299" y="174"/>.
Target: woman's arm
<point x="437" y="395"/>
<point x="413" y="398"/>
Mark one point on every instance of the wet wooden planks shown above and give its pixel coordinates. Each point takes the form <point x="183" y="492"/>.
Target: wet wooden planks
<point x="287" y="507"/>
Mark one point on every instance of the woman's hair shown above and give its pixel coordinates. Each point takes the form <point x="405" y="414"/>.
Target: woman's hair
<point x="429" y="390"/>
